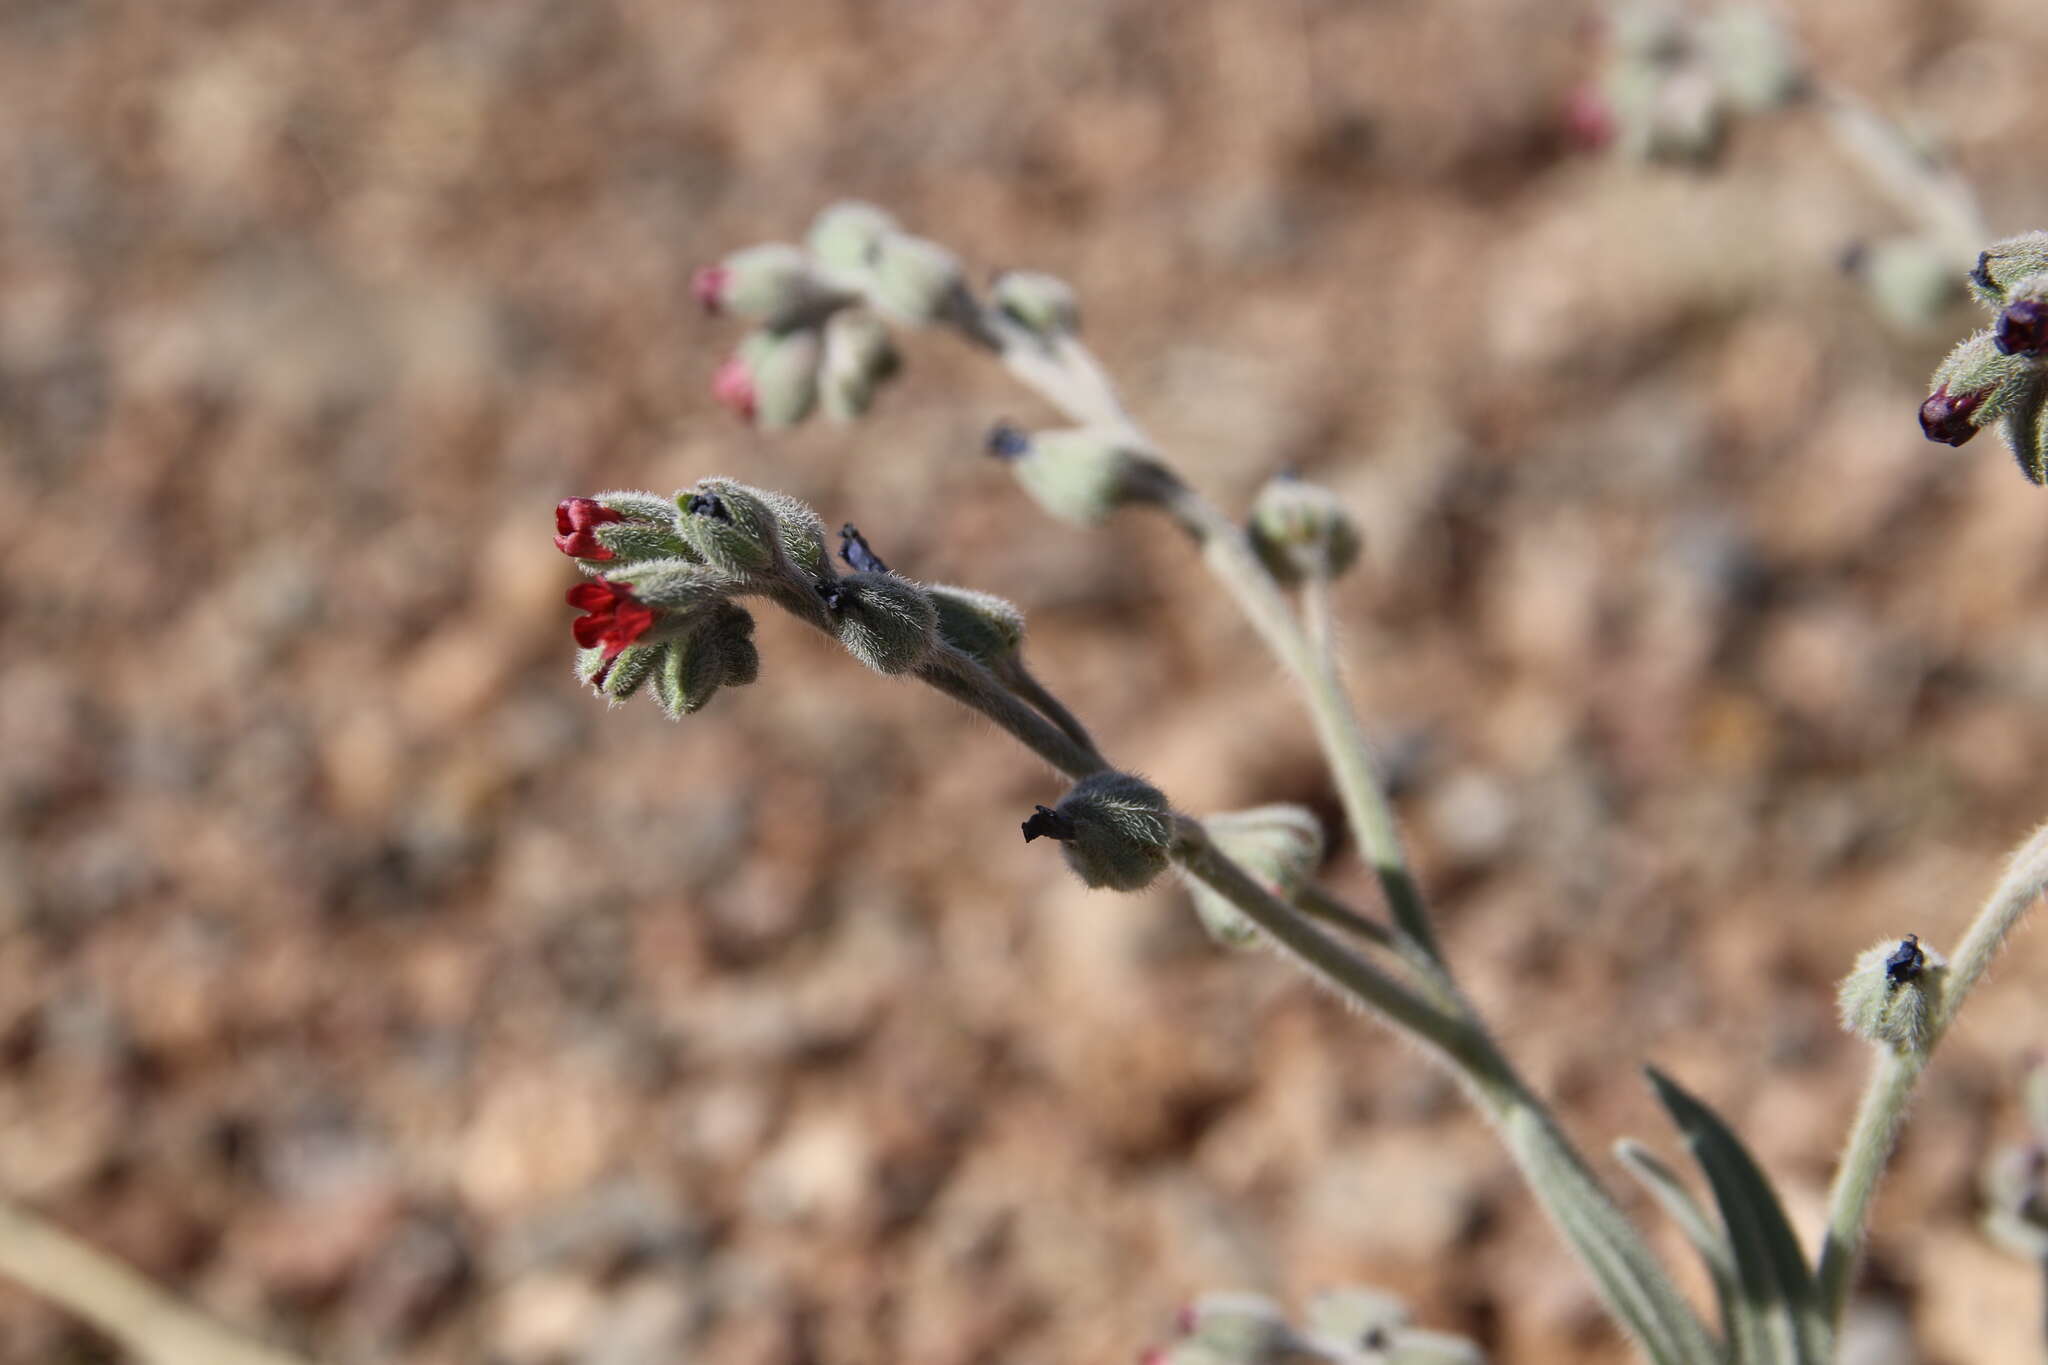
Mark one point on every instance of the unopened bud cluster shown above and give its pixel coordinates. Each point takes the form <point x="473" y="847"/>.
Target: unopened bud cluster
<point x="1892" y="997"/>
<point x="1340" y="1327"/>
<point x="1302" y="531"/>
<point x="661" y="603"/>
<point x="1671" y="80"/>
<point x="821" y="312"/>
<point x="2000" y="375"/>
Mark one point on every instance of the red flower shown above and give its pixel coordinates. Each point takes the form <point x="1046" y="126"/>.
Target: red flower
<point x="708" y="286"/>
<point x="575" y="523"/>
<point x="733" y="385"/>
<point x="614" y="618"/>
<point x="1588" y="118"/>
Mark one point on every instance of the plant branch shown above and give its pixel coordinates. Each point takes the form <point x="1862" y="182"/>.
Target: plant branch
<point x="156" y="1327"/>
<point x="1882" y="1110"/>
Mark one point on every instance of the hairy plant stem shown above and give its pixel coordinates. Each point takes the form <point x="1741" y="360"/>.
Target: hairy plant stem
<point x="1320" y="905"/>
<point x="1883" y="1107"/>
<point x="1629" y="1278"/>
<point x="157" y="1328"/>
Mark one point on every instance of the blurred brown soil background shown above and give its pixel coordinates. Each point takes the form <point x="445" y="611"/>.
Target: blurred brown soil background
<point x="370" y="985"/>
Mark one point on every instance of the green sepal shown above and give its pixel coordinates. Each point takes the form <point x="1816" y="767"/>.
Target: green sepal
<point x="885" y="621"/>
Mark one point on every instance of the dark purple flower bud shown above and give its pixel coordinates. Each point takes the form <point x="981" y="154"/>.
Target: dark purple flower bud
<point x="2022" y="328"/>
<point x="1050" y="824"/>
<point x="1006" y="442"/>
<point x="1945" y="416"/>
<point x="853" y="548"/>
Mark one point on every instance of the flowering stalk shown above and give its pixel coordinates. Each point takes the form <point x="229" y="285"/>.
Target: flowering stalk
<point x="1883" y="1107"/>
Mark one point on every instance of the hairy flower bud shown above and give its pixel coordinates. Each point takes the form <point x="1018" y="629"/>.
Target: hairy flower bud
<point x="1894" y="993"/>
<point x="1358" y="1319"/>
<point x="886" y="622"/>
<point x="1078" y="474"/>
<point x="1972" y="387"/>
<point x="800" y="529"/>
<point x="1911" y="279"/>
<point x="1301" y="530"/>
<point x="980" y="625"/>
<point x="773" y="380"/>
<point x="847" y="236"/>
<point x="774" y="284"/>
<point x="1280" y="846"/>
<point x="2022" y="327"/>
<point x="858" y="358"/>
<point x="680" y="585"/>
<point x="1044" y="304"/>
<point x="913" y="280"/>
<point x="717" y="652"/>
<point x="1755" y="63"/>
<point x="1115" y="830"/>
<point x="2003" y="265"/>
<point x="1239" y="1329"/>
<point x="730" y="525"/>
<point x="620" y="676"/>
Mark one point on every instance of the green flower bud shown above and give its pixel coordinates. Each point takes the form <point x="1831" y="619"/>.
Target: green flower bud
<point x="1356" y="1318"/>
<point x="783" y="368"/>
<point x="1911" y="279"/>
<point x="913" y="280"/>
<point x="887" y="622"/>
<point x="984" y="627"/>
<point x="1894" y="993"/>
<point x="731" y="525"/>
<point x="1754" y="60"/>
<point x="859" y="357"/>
<point x="1301" y="530"/>
<point x="801" y="530"/>
<point x="1043" y="303"/>
<point x="2003" y="264"/>
<point x="632" y="667"/>
<point x="847" y="237"/>
<point x="775" y="285"/>
<point x="1240" y="1329"/>
<point x="718" y="652"/>
<point x="1978" y="385"/>
<point x="1280" y="846"/>
<point x="1115" y="830"/>
<point x="1079" y="474"/>
<point x="680" y="585"/>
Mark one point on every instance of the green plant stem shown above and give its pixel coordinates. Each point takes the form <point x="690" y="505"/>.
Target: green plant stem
<point x="157" y="1328"/>
<point x="1630" y="1280"/>
<point x="1882" y="1109"/>
<point x="968" y="683"/>
<point x="1320" y="905"/>
<point x="1012" y="673"/>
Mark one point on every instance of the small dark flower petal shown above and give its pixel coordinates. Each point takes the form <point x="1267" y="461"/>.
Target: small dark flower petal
<point x="707" y="505"/>
<point x="1945" y="417"/>
<point x="854" y="549"/>
<point x="1906" y="961"/>
<point x="2022" y="328"/>
<point x="1049" y="823"/>
<point x="1007" y="442"/>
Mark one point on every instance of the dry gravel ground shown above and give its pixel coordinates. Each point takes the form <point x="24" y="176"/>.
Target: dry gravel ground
<point x="370" y="985"/>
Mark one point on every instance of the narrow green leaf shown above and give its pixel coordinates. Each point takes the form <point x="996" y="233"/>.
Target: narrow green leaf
<point x="1775" y="1314"/>
<point x="1630" y="1280"/>
<point x="1669" y="1191"/>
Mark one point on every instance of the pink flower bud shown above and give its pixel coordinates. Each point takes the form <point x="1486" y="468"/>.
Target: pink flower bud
<point x="1588" y="118"/>
<point x="732" y="384"/>
<point x="708" y="286"/>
